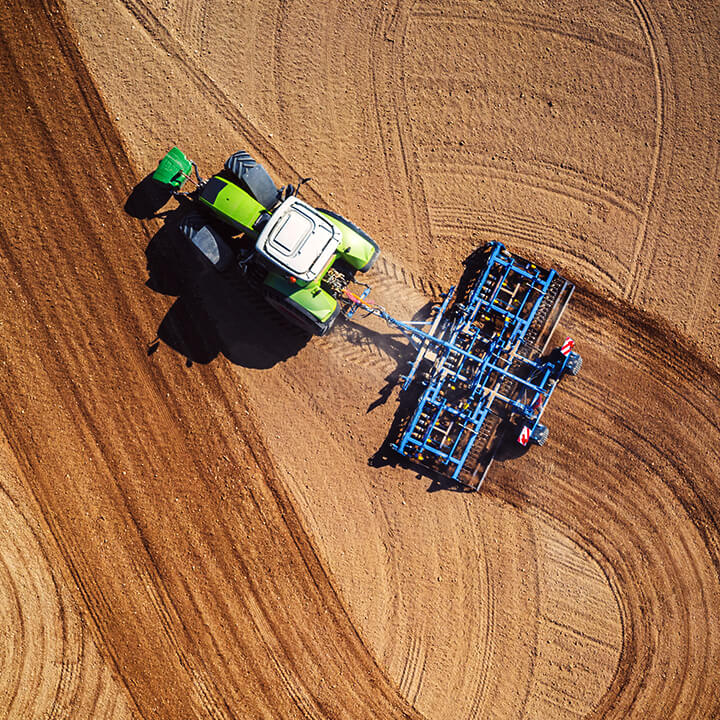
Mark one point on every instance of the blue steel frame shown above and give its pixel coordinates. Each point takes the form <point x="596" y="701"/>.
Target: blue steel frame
<point x="483" y="364"/>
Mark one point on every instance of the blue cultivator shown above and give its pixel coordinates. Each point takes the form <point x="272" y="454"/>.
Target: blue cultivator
<point x="481" y="374"/>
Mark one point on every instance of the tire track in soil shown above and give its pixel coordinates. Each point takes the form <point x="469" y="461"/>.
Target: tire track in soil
<point x="488" y="625"/>
<point x="571" y="184"/>
<point x="207" y="695"/>
<point x="413" y="670"/>
<point x="392" y="566"/>
<point x="48" y="657"/>
<point x="663" y="587"/>
<point x="532" y="234"/>
<point x="535" y="631"/>
<point x="677" y="574"/>
<point x="26" y="188"/>
<point x="552" y="240"/>
<point x="402" y="292"/>
<point x="77" y="389"/>
<point x="195" y="26"/>
<point x="281" y="15"/>
<point x="263" y="149"/>
<point x="572" y="30"/>
<point x="639" y="273"/>
<point x="387" y="48"/>
<point x="12" y="616"/>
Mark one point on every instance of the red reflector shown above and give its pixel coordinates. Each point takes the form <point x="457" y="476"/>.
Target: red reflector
<point x="524" y="436"/>
<point x="567" y="346"/>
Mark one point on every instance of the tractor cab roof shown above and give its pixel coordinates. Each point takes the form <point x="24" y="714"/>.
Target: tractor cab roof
<point x="299" y="240"/>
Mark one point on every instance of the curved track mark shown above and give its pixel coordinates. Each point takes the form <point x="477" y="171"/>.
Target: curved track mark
<point x="572" y="184"/>
<point x="388" y="47"/>
<point x="572" y="30"/>
<point x="640" y="271"/>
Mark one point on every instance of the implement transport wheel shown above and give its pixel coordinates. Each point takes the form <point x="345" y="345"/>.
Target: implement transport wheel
<point x="540" y="435"/>
<point x="574" y="363"/>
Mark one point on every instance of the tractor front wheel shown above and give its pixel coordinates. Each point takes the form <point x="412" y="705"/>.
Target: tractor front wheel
<point x="253" y="178"/>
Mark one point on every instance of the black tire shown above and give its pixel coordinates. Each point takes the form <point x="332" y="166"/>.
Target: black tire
<point x="207" y="240"/>
<point x="574" y="363"/>
<point x="361" y="233"/>
<point x="253" y="177"/>
<point x="540" y="435"/>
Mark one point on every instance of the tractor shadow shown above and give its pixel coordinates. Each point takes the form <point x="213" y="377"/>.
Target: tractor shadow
<point x="214" y="313"/>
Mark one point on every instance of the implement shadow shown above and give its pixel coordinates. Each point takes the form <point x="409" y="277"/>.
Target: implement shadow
<point x="215" y="313"/>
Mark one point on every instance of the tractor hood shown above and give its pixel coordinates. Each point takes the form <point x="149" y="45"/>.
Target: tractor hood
<point x="298" y="240"/>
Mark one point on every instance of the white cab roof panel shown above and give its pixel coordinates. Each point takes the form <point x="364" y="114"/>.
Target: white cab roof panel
<point x="298" y="239"/>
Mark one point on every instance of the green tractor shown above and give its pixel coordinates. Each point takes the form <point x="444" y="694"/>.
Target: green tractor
<point x="301" y="258"/>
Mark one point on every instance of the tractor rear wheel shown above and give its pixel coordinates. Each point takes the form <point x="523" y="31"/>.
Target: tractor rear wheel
<point x="207" y="240"/>
<point x="360" y="232"/>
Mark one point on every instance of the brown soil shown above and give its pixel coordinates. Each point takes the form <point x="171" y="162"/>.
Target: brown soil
<point x="193" y="529"/>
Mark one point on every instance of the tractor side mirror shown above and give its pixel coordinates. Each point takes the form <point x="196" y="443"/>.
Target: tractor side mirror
<point x="301" y="182"/>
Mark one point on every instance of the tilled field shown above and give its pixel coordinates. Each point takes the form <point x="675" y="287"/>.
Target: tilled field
<point x="193" y="525"/>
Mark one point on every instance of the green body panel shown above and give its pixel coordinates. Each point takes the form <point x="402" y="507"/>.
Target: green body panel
<point x="173" y="169"/>
<point x="234" y="205"/>
<point x="354" y="248"/>
<point x="318" y="303"/>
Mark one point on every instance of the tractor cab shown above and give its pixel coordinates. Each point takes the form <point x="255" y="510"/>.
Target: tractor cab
<point x="294" y="246"/>
<point x="298" y="241"/>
